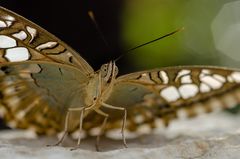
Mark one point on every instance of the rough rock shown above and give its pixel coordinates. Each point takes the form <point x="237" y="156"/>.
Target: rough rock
<point x="205" y="137"/>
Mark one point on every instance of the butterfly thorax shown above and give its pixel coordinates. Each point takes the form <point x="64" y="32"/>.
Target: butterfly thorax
<point x="100" y="85"/>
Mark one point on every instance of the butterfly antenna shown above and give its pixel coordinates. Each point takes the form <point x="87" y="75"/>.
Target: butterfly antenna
<point x="92" y="17"/>
<point x="136" y="47"/>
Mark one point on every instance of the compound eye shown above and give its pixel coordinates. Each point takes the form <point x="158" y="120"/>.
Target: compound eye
<point x="104" y="69"/>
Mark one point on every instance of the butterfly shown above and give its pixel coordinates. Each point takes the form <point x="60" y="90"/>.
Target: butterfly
<point x="47" y="87"/>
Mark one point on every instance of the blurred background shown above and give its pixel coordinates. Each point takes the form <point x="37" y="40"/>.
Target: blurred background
<point x="211" y="35"/>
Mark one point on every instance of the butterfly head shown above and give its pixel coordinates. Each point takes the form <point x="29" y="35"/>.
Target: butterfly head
<point x="109" y="71"/>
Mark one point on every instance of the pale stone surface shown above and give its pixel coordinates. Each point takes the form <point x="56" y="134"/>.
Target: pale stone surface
<point x="206" y="137"/>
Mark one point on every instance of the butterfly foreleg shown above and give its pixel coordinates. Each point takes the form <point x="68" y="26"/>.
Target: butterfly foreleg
<point x="124" y="119"/>
<point x="82" y="110"/>
<point x="102" y="127"/>
<point x="65" y="132"/>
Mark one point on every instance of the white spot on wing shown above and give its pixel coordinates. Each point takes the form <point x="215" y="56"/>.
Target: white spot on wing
<point x="220" y="78"/>
<point x="8" y="17"/>
<point x="17" y="54"/>
<point x="182" y="73"/>
<point x="170" y="94"/>
<point x="236" y="76"/>
<point x="164" y="77"/>
<point x="188" y="90"/>
<point x="7" y="42"/>
<point x="212" y="82"/>
<point x="204" y="88"/>
<point x="186" y="79"/>
<point x="2" y="24"/>
<point x="32" y="31"/>
<point x="47" y="45"/>
<point x="206" y="71"/>
<point x="20" y="35"/>
<point x="9" y="23"/>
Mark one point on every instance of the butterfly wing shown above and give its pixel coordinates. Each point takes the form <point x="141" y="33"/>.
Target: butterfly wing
<point x="40" y="76"/>
<point x="37" y="95"/>
<point x="173" y="92"/>
<point x="22" y="40"/>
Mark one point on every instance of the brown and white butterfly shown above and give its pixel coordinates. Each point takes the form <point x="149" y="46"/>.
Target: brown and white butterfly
<point x="47" y="87"/>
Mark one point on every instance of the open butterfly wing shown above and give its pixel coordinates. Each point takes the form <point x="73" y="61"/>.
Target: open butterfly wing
<point x="22" y="40"/>
<point x="40" y="77"/>
<point x="37" y="95"/>
<point x="174" y="92"/>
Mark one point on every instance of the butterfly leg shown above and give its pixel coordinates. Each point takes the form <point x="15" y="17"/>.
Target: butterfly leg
<point x="80" y="129"/>
<point x="65" y="131"/>
<point x="124" y="120"/>
<point x="102" y="127"/>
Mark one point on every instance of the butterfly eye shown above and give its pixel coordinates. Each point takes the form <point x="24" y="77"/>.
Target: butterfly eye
<point x="104" y="70"/>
